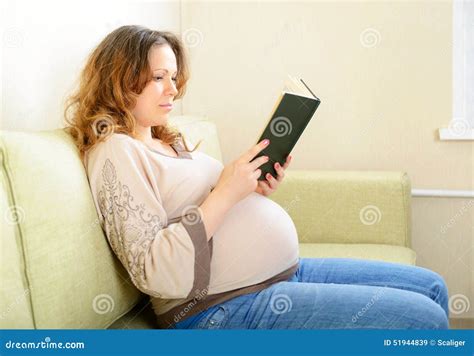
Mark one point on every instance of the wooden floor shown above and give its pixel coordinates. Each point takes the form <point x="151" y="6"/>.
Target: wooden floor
<point x="458" y="323"/>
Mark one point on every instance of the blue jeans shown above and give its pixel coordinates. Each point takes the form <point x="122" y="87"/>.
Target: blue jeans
<point x="337" y="293"/>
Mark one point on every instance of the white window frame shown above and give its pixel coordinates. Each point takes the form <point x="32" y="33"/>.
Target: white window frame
<point x="461" y="126"/>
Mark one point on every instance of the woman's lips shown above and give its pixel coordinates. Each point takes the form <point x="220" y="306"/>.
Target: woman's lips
<point x="167" y="106"/>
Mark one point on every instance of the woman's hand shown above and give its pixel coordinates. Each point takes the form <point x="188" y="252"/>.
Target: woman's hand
<point x="267" y="187"/>
<point x="239" y="178"/>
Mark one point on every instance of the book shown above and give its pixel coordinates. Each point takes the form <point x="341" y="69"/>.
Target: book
<point x="291" y="114"/>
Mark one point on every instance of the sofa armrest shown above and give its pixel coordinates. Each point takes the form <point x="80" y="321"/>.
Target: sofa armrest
<point x="348" y="206"/>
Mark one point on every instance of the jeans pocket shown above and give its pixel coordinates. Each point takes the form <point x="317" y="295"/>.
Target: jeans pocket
<point x="214" y="320"/>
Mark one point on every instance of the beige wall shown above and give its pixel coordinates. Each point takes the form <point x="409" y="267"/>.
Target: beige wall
<point x="381" y="105"/>
<point x="443" y="231"/>
<point x="45" y="44"/>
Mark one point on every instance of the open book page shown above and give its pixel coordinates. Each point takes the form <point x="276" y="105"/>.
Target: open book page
<point x="295" y="86"/>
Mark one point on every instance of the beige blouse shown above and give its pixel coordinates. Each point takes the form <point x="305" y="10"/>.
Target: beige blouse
<point x="148" y="205"/>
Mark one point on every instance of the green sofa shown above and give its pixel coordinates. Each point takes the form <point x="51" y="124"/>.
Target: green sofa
<point x="58" y="271"/>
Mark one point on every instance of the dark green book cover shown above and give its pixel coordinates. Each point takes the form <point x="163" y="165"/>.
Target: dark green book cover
<point x="288" y="121"/>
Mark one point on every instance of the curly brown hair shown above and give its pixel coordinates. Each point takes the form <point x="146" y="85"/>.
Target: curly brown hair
<point x="115" y="73"/>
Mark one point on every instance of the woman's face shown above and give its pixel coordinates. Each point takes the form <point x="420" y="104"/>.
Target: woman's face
<point x="150" y="109"/>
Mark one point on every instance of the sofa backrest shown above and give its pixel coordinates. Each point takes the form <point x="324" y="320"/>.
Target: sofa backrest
<point x="14" y="292"/>
<point x="57" y="269"/>
<point x="195" y="129"/>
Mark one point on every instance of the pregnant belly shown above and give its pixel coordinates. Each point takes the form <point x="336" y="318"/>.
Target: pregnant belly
<point x="256" y="241"/>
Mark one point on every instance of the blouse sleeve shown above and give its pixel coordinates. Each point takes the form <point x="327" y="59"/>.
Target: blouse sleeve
<point x="165" y="261"/>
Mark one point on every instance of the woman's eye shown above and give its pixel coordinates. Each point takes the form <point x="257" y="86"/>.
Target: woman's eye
<point x="158" y="78"/>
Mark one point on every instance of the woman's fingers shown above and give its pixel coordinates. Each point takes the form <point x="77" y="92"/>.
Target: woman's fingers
<point x="287" y="162"/>
<point x="264" y="187"/>
<point x="272" y="181"/>
<point x="252" y="152"/>
<point x="281" y="171"/>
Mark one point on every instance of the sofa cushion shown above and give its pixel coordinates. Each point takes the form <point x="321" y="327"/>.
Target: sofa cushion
<point x="141" y="316"/>
<point x="74" y="279"/>
<point x="388" y="253"/>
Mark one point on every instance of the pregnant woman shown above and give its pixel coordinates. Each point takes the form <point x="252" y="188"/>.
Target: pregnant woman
<point x="203" y="240"/>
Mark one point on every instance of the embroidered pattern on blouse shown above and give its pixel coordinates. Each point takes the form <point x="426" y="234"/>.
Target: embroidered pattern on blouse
<point x="130" y="229"/>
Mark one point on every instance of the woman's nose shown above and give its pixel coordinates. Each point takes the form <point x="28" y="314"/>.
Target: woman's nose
<point x="172" y="87"/>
